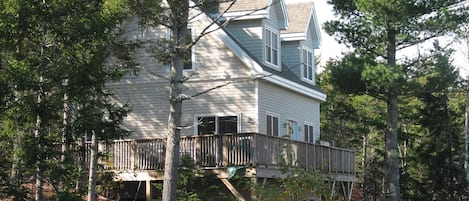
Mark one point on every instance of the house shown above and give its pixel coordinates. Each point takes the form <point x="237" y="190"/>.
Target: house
<point x="263" y="59"/>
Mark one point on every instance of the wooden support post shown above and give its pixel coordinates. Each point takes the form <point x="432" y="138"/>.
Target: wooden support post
<point x="350" y="191"/>
<point x="333" y="189"/>
<point x="133" y="154"/>
<point x="233" y="189"/>
<point x="148" y="191"/>
<point x="263" y="186"/>
<point x="224" y="144"/>
<point x="198" y="151"/>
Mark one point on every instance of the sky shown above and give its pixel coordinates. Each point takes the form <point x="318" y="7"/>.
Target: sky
<point x="330" y="48"/>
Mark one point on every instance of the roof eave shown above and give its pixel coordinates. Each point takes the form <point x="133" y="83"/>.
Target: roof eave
<point x="245" y="15"/>
<point x="292" y="36"/>
<point x="317" y="28"/>
<point x="284" y="14"/>
<point x="312" y="93"/>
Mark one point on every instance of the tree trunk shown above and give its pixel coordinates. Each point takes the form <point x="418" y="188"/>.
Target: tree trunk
<point x="38" y="134"/>
<point x="174" y="121"/>
<point x="466" y="131"/>
<point x="364" y="164"/>
<point x="93" y="169"/>
<point x="392" y="151"/>
<point x="392" y="148"/>
<point x="65" y="135"/>
<point x="179" y="14"/>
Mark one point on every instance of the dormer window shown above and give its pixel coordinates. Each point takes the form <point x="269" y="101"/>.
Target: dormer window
<point x="272" y="47"/>
<point x="308" y="65"/>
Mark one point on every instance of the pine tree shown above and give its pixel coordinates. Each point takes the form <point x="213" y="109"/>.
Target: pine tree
<point x="377" y="30"/>
<point x="51" y="50"/>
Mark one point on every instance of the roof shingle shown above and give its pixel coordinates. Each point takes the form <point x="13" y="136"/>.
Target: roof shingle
<point x="244" y="5"/>
<point x="298" y="17"/>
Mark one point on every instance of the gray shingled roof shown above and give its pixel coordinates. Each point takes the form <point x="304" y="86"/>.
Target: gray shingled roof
<point x="245" y="5"/>
<point x="298" y="17"/>
<point x="284" y="73"/>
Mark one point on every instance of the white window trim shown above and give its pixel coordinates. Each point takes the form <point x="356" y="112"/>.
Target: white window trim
<point x="279" y="61"/>
<point x="303" y="61"/>
<point x="216" y="115"/>
<point x="272" y="114"/>
<point x="193" y="35"/>
<point x="297" y="128"/>
<point x="307" y="123"/>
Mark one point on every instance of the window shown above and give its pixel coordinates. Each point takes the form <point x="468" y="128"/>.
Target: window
<point x="309" y="133"/>
<point x="217" y="124"/>
<point x="188" y="55"/>
<point x="292" y="129"/>
<point x="272" y="125"/>
<point x="308" y="65"/>
<point x="271" y="47"/>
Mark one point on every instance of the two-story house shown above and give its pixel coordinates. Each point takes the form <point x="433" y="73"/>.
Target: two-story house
<point x="264" y="62"/>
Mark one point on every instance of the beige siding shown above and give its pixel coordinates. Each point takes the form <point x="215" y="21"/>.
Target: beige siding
<point x="215" y="64"/>
<point x="149" y="103"/>
<point x="289" y="106"/>
<point x="233" y="99"/>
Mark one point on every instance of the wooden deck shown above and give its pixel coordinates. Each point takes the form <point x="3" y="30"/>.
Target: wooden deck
<point x="258" y="153"/>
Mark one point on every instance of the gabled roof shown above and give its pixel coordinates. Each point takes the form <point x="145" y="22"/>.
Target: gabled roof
<point x="244" y="5"/>
<point x="299" y="24"/>
<point x="285" y="78"/>
<point x="296" y="17"/>
<point x="254" y="9"/>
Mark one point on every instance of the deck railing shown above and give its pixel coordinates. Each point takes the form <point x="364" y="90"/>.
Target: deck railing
<point x="241" y="149"/>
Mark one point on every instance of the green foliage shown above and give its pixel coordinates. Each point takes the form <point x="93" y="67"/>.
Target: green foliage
<point x="346" y="71"/>
<point x="108" y="187"/>
<point x="52" y="50"/>
<point x="436" y="161"/>
<point x="431" y="124"/>
<point x="377" y="30"/>
<point x="196" y="185"/>
<point x="296" y="183"/>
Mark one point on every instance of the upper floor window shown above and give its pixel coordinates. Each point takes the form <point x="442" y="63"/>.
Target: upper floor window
<point x="189" y="55"/>
<point x="308" y="65"/>
<point x="272" y="47"/>
<point x="217" y="124"/>
<point x="272" y="125"/>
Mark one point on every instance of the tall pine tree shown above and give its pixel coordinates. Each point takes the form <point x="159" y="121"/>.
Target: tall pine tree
<point x="54" y="57"/>
<point x="377" y="30"/>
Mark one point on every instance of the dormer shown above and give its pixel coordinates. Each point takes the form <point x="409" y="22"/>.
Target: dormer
<point x="300" y="40"/>
<point x="256" y="25"/>
<point x="256" y="9"/>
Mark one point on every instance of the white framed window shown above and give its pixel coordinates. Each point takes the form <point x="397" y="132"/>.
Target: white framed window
<point x="292" y="129"/>
<point x="307" y="59"/>
<point x="189" y="56"/>
<point x="272" y="47"/>
<point x="309" y="132"/>
<point x="272" y="124"/>
<point x="217" y="124"/>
